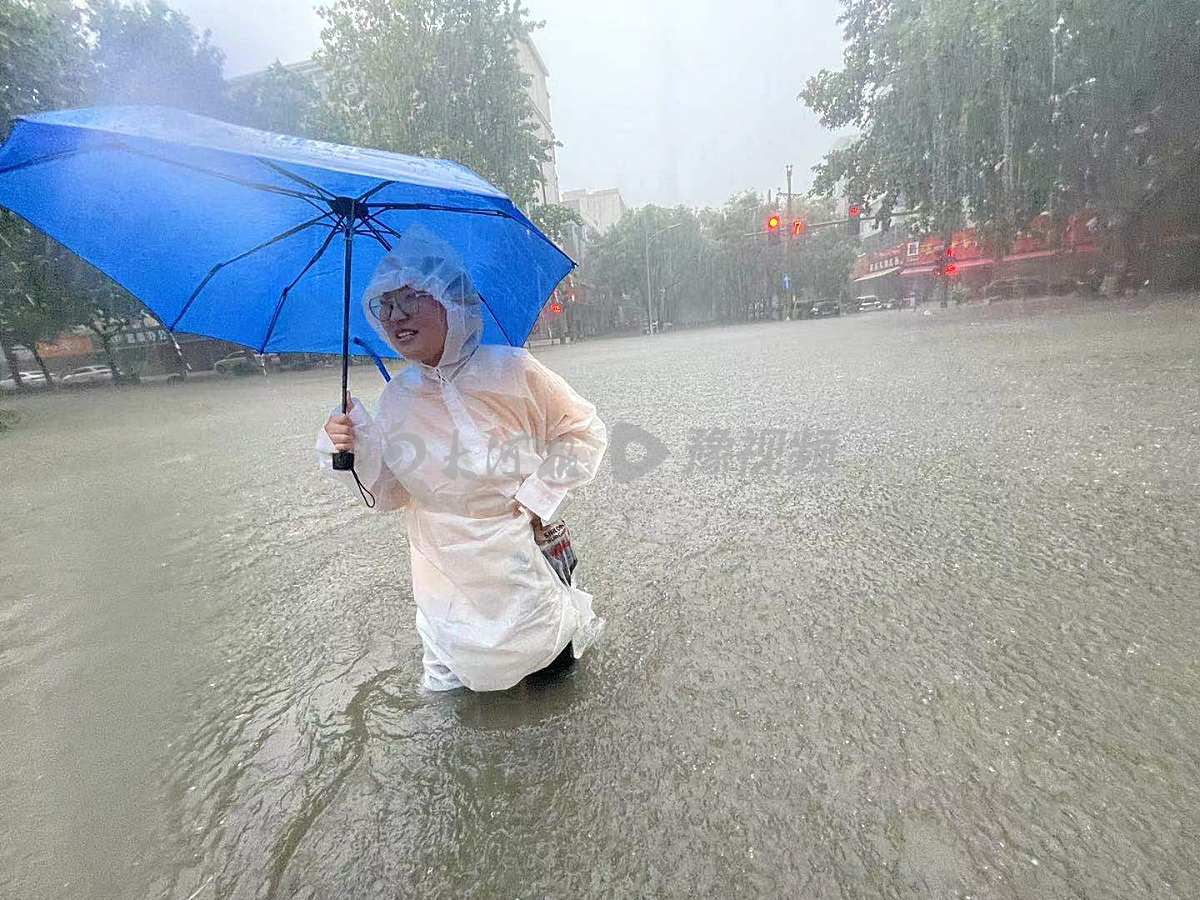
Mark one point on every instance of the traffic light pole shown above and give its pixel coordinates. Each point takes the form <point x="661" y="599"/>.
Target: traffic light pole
<point x="789" y="291"/>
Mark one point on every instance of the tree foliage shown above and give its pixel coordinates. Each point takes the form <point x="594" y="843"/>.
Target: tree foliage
<point x="435" y="78"/>
<point x="997" y="110"/>
<point x="279" y="100"/>
<point x="715" y="264"/>
<point x="147" y="53"/>
<point x="43" y="58"/>
<point x="556" y="221"/>
<point x="56" y="54"/>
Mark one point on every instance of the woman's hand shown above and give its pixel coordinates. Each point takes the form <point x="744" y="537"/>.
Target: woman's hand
<point x="341" y="430"/>
<point x="518" y="510"/>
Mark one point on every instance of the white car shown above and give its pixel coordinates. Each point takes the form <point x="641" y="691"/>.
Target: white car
<point x="29" y="379"/>
<point x="88" y="375"/>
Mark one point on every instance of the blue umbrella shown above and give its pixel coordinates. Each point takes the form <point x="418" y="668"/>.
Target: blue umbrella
<point x="226" y="231"/>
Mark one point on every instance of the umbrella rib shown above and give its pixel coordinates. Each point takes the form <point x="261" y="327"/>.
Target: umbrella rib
<point x="496" y="319"/>
<point x="375" y="233"/>
<point x="29" y="163"/>
<point x="384" y="207"/>
<point x="434" y="207"/>
<point x="253" y="185"/>
<point x="315" y="204"/>
<point x="325" y="194"/>
<point x="373" y="191"/>
<point x="384" y="225"/>
<point x="287" y="290"/>
<point x="212" y="273"/>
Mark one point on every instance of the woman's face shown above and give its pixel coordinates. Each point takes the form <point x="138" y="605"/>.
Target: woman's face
<point x="415" y="324"/>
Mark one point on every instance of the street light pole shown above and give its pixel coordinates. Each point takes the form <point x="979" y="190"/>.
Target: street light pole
<point x="650" y="237"/>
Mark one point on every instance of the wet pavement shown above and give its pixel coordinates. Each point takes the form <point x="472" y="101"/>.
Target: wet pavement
<point x="899" y="605"/>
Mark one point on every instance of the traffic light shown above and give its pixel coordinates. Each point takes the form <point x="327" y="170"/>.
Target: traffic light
<point x="799" y="229"/>
<point x="945" y="267"/>
<point x="556" y="308"/>
<point x="773" y="223"/>
<point x="854" y="227"/>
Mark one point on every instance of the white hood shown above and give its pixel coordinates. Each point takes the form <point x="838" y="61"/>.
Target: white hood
<point x="425" y="262"/>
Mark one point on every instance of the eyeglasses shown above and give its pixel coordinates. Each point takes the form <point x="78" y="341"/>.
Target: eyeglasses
<point x="385" y="310"/>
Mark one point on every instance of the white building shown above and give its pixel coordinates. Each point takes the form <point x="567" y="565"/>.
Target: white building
<point x="534" y="66"/>
<point x="600" y="210"/>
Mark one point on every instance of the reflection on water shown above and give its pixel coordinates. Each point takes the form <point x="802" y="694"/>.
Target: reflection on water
<point x="959" y="660"/>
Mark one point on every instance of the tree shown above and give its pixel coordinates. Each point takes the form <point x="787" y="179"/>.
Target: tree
<point x="34" y="307"/>
<point x="435" y="78"/>
<point x="822" y="265"/>
<point x="556" y="221"/>
<point x="43" y="58"/>
<point x="43" y="65"/>
<point x="997" y="110"/>
<point x="92" y="299"/>
<point x="147" y="53"/>
<point x="279" y="100"/>
<point x="53" y="55"/>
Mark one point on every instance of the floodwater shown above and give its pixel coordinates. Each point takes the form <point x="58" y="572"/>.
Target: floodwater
<point x="909" y="609"/>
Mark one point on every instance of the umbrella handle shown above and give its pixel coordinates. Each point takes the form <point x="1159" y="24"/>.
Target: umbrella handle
<point x="343" y="461"/>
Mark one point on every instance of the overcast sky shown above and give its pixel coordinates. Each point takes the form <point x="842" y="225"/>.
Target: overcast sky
<point x="672" y="101"/>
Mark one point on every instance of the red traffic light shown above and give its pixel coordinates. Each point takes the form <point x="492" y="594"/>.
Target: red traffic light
<point x="774" y="222"/>
<point x="556" y="307"/>
<point x="949" y="269"/>
<point x="855" y="210"/>
<point x="799" y="227"/>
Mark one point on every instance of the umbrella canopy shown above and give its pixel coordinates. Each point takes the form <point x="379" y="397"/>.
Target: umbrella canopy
<point x="241" y="234"/>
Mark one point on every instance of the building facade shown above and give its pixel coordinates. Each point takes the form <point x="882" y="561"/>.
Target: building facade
<point x="534" y="66"/>
<point x="600" y="210"/>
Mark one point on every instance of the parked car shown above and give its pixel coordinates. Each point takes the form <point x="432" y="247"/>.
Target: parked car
<point x="869" y="303"/>
<point x="241" y="362"/>
<point x="29" y="379"/>
<point x="891" y="303"/>
<point x="1006" y="288"/>
<point x="296" y="362"/>
<point x="87" y="375"/>
<point x="826" y="308"/>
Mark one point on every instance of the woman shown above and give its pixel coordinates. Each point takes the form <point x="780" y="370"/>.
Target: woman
<point x="480" y="445"/>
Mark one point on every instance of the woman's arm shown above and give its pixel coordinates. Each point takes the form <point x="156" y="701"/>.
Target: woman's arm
<point x="365" y="439"/>
<point x="575" y="440"/>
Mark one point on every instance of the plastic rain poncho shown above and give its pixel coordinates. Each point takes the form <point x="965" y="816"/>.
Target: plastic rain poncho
<point x="471" y="448"/>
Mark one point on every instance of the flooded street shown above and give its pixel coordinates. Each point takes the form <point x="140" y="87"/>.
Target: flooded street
<point x="907" y="610"/>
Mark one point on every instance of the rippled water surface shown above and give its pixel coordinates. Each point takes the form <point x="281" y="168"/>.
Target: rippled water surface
<point x="910" y="609"/>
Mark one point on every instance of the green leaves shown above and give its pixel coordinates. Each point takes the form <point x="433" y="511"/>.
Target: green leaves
<point x="280" y="100"/>
<point x="713" y="264"/>
<point x="999" y="109"/>
<point x="556" y="221"/>
<point x="436" y="78"/>
<point x="147" y="53"/>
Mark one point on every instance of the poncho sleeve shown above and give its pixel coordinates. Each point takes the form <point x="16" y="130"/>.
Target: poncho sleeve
<point x="368" y="461"/>
<point x="573" y="437"/>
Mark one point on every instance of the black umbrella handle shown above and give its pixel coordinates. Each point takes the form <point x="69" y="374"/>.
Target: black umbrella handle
<point x="343" y="461"/>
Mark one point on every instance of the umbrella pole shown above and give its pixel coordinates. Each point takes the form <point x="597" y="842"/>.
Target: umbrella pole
<point x="343" y="461"/>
